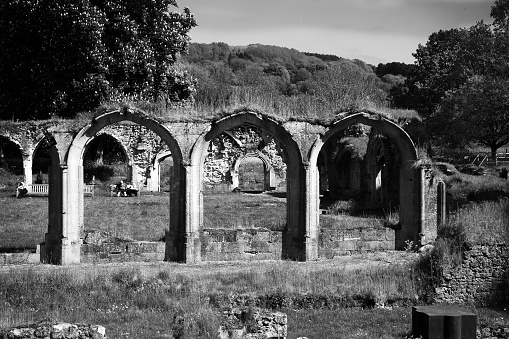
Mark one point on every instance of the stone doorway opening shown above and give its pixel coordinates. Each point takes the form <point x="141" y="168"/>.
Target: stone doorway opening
<point x="244" y="187"/>
<point x="359" y="192"/>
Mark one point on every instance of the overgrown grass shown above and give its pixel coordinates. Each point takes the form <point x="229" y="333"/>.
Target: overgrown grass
<point x="463" y="189"/>
<point x="480" y="223"/>
<point x="168" y="299"/>
<point x="164" y="300"/>
<point x="258" y="99"/>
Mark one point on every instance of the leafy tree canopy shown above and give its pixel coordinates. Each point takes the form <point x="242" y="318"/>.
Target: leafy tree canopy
<point x="453" y="85"/>
<point x="60" y="57"/>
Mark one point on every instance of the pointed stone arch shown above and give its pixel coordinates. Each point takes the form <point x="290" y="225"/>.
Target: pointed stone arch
<point x="410" y="178"/>
<point x="65" y="236"/>
<point x="294" y="242"/>
<point x="269" y="175"/>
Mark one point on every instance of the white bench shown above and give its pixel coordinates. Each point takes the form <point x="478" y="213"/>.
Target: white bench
<point x="43" y="190"/>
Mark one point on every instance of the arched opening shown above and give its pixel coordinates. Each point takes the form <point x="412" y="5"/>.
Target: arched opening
<point x="370" y="178"/>
<point x="166" y="173"/>
<point x="381" y="165"/>
<point x="11" y="156"/>
<point x="41" y="163"/>
<point x="221" y="151"/>
<point x="105" y="161"/>
<point x="239" y="195"/>
<point x="144" y="137"/>
<point x="252" y="174"/>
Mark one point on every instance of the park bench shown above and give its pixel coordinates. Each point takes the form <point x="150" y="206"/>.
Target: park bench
<point x="43" y="190"/>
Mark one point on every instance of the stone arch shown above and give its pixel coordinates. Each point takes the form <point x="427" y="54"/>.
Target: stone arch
<point x="128" y="155"/>
<point x="269" y="175"/>
<point x="67" y="233"/>
<point x="294" y="243"/>
<point x="410" y="178"/>
<point x="24" y="155"/>
<point x="47" y="141"/>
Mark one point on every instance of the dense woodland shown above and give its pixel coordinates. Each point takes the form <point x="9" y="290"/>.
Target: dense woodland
<point x="62" y="58"/>
<point x="220" y="69"/>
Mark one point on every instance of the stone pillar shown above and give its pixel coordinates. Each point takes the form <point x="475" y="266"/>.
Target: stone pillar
<point x="175" y="238"/>
<point x="194" y="213"/>
<point x="154" y="178"/>
<point x="294" y="237"/>
<point x="410" y="208"/>
<point x="27" y="168"/>
<point x="62" y="242"/>
<point x="235" y="177"/>
<point x="430" y="207"/>
<point x="441" y="203"/>
<point x="130" y="172"/>
<point x="312" y="203"/>
<point x="72" y="188"/>
<point x="52" y="249"/>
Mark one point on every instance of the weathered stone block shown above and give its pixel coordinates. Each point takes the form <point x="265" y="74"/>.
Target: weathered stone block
<point x="443" y="322"/>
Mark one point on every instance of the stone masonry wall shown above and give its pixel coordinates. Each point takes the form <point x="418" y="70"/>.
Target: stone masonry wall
<point x="56" y="331"/>
<point x="264" y="244"/>
<point x="241" y="244"/>
<point x="482" y="277"/>
<point x="342" y="235"/>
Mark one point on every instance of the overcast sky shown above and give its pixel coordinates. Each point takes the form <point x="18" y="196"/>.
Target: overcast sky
<point x="371" y="30"/>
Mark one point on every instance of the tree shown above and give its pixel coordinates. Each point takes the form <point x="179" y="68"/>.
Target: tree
<point x="477" y="112"/>
<point x="500" y="14"/>
<point x="448" y="67"/>
<point x="60" y="57"/>
<point x="345" y="86"/>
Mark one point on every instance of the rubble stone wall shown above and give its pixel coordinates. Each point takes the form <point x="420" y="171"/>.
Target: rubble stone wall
<point x="61" y="331"/>
<point x="482" y="277"/>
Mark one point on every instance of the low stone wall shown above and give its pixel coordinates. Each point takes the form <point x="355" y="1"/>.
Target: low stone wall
<point x="19" y="258"/>
<point x="264" y="244"/>
<point x="55" y="331"/>
<point x="344" y="237"/>
<point x="123" y="252"/>
<point x="482" y="277"/>
<point x="241" y="244"/>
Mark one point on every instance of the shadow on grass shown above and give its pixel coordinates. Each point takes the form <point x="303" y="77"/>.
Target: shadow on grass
<point x="277" y="194"/>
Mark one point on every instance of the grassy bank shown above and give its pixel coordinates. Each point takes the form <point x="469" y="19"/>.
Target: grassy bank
<point x="149" y="301"/>
<point x="165" y="300"/>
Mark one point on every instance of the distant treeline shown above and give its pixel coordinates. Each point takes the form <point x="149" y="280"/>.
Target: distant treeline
<point x="219" y="69"/>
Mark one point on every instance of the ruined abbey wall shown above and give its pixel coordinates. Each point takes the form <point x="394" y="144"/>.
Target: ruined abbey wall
<point x="210" y="152"/>
<point x="481" y="278"/>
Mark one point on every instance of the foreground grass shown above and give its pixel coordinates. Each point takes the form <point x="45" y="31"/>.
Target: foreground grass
<point x="150" y="301"/>
<point x="165" y="300"/>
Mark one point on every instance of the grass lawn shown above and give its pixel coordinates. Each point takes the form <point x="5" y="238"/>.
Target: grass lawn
<point x="23" y="222"/>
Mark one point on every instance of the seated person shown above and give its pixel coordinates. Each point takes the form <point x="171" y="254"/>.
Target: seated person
<point x="121" y="189"/>
<point x="21" y="189"/>
<point x="131" y="189"/>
